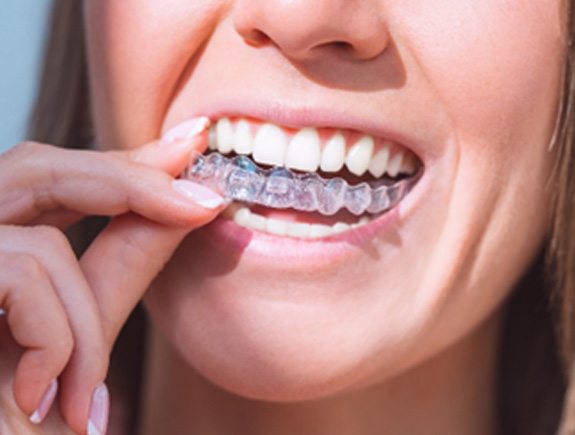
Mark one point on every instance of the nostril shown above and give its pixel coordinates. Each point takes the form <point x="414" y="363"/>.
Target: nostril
<point x="256" y="38"/>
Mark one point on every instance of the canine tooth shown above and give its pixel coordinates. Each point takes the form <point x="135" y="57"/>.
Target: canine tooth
<point x="408" y="166"/>
<point x="225" y="135"/>
<point x="298" y="229"/>
<point x="359" y="156"/>
<point x="333" y="155"/>
<point x="258" y="222"/>
<point x="212" y="138"/>
<point x="242" y="216"/>
<point x="378" y="164"/>
<point x="243" y="141"/>
<point x="394" y="164"/>
<point x="270" y="145"/>
<point x="303" y="152"/>
<point x="276" y="226"/>
<point x="319" y="230"/>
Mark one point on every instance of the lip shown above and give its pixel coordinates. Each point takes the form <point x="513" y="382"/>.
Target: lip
<point x="298" y="117"/>
<point x="278" y="252"/>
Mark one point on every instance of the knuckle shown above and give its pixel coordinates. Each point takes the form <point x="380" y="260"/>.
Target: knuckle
<point x="51" y="236"/>
<point x="25" y="149"/>
<point x="63" y="347"/>
<point x="22" y="265"/>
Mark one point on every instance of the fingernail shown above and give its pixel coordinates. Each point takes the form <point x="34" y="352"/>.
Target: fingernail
<point x="205" y="197"/>
<point x="99" y="411"/>
<point x="186" y="130"/>
<point x="47" y="399"/>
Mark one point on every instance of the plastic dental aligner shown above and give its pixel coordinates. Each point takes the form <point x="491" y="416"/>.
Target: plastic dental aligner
<point x="240" y="179"/>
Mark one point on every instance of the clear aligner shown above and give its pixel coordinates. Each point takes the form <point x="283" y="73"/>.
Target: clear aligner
<point x="240" y="179"/>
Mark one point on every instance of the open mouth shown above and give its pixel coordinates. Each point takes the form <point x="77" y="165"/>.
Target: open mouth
<point x="303" y="183"/>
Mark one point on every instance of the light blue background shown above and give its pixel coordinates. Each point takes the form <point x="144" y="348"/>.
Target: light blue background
<point x="23" y="25"/>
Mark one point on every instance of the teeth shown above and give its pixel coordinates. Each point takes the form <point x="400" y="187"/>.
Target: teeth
<point x="298" y="230"/>
<point x="304" y="151"/>
<point x="319" y="230"/>
<point x="270" y="145"/>
<point x="359" y="156"/>
<point x="276" y="226"/>
<point x="243" y="141"/>
<point x="395" y="164"/>
<point x="333" y="155"/>
<point x="212" y="138"/>
<point x="408" y="165"/>
<point x="378" y="164"/>
<point x="225" y="135"/>
<point x="244" y="217"/>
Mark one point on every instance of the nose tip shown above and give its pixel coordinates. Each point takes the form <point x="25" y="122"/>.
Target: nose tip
<point x="303" y="29"/>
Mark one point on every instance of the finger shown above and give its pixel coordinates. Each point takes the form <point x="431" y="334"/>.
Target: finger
<point x="37" y="178"/>
<point x="131" y="251"/>
<point x="88" y="363"/>
<point x="37" y="322"/>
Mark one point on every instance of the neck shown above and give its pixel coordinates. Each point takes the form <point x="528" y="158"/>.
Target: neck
<point x="452" y="393"/>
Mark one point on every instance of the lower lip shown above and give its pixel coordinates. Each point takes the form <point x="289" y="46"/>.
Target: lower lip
<point x="234" y="240"/>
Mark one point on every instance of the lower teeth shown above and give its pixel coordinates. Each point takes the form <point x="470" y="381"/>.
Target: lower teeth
<point x="244" y="217"/>
<point x="240" y="179"/>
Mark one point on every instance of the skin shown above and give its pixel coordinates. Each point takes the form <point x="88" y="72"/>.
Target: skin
<point x="480" y="82"/>
<point x="411" y="321"/>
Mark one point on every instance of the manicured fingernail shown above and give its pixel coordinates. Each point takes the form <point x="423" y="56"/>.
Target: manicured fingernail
<point x="186" y="130"/>
<point x="205" y="197"/>
<point x="47" y="399"/>
<point x="99" y="411"/>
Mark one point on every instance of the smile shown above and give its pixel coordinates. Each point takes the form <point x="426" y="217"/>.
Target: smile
<point x="303" y="183"/>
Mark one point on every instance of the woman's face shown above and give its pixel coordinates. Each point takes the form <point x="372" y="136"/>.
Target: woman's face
<point x="470" y="87"/>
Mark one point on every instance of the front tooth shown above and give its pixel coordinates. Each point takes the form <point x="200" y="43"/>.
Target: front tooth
<point x="270" y="145"/>
<point x="394" y="164"/>
<point x="333" y="155"/>
<point x="304" y="151"/>
<point x="298" y="229"/>
<point x="243" y="141"/>
<point x="378" y="164"/>
<point x="276" y="226"/>
<point x="359" y="156"/>
<point x="225" y="135"/>
<point x="212" y="138"/>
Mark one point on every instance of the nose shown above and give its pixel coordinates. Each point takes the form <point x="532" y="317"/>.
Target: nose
<point x="304" y="29"/>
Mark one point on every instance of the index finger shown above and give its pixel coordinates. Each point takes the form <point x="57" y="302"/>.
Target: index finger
<point x="125" y="258"/>
<point x="38" y="179"/>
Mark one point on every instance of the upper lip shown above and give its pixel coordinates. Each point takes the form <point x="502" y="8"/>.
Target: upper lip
<point x="285" y="114"/>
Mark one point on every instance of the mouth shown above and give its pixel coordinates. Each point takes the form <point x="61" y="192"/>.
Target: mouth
<point x="307" y="183"/>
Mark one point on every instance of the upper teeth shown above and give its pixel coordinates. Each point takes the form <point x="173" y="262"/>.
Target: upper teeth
<point x="269" y="144"/>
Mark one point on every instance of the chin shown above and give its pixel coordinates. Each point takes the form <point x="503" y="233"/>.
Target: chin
<point x="269" y="350"/>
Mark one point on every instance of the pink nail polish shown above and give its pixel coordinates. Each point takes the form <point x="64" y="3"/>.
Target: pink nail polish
<point x="47" y="399"/>
<point x="99" y="411"/>
<point x="186" y="130"/>
<point x="201" y="195"/>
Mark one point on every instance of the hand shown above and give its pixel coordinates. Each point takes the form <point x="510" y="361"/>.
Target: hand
<point x="66" y="313"/>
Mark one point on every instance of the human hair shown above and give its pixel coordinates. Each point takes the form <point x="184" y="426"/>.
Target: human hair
<point x="536" y="377"/>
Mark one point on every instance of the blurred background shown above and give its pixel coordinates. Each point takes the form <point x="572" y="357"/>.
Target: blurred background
<point x="22" y="28"/>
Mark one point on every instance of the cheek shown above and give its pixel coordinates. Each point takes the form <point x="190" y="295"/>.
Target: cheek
<point x="138" y="50"/>
<point x="495" y="66"/>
